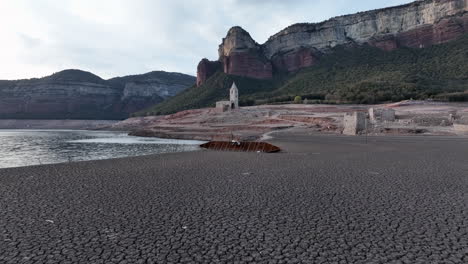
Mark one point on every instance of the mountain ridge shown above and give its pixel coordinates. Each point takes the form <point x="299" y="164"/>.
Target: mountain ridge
<point x="417" y="25"/>
<point x="411" y="4"/>
<point x="78" y="94"/>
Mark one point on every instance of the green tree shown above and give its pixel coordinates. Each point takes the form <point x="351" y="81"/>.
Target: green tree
<point x="297" y="99"/>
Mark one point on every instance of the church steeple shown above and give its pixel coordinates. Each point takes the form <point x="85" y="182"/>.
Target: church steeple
<point x="234" y="96"/>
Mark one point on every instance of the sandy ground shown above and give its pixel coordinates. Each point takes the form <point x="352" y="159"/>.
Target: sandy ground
<point x="251" y="123"/>
<point x="324" y="199"/>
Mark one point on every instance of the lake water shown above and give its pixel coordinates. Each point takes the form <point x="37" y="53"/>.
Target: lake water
<point x="33" y="147"/>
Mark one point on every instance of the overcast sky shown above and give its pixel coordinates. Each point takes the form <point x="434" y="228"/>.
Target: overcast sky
<point x="120" y="37"/>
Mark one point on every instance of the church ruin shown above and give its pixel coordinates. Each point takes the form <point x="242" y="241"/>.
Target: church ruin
<point x="233" y="102"/>
<point x="354" y="123"/>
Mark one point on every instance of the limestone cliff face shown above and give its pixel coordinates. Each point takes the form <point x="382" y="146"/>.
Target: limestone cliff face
<point x="142" y="91"/>
<point x="241" y="55"/>
<point x="81" y="95"/>
<point x="419" y="24"/>
<point x="237" y="40"/>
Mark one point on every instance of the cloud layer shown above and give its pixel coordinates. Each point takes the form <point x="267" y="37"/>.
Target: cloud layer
<point x="121" y="37"/>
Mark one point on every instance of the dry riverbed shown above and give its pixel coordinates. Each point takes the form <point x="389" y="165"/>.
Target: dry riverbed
<point x="324" y="199"/>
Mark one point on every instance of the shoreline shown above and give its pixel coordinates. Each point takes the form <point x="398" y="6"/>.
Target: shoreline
<point x="253" y="123"/>
<point x="75" y="124"/>
<point x="273" y="137"/>
<point x="256" y="122"/>
<point x="30" y="147"/>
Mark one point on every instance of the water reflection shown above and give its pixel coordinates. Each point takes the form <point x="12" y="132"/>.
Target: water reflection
<point x="33" y="147"/>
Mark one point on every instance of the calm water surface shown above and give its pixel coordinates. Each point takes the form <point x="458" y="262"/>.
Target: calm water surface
<point x="33" y="147"/>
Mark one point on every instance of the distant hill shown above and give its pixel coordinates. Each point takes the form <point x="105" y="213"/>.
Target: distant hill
<point x="76" y="94"/>
<point x="348" y="74"/>
<point x="74" y="75"/>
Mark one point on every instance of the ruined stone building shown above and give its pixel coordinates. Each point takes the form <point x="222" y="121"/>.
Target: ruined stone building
<point x="381" y="115"/>
<point x="354" y="123"/>
<point x="233" y="102"/>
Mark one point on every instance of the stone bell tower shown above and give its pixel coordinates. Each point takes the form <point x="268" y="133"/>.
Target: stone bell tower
<point x="234" y="97"/>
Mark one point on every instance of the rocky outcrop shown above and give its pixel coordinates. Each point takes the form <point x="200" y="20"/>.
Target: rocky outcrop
<point x="206" y="69"/>
<point x="295" y="60"/>
<point x="417" y="25"/>
<point x="142" y="91"/>
<point x="241" y="55"/>
<point x="249" y="64"/>
<point x="74" y="94"/>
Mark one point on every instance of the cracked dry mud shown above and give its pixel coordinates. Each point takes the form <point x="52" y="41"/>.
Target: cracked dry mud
<point x="324" y="200"/>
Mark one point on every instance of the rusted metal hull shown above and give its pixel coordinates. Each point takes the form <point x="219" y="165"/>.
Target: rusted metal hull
<point x="241" y="146"/>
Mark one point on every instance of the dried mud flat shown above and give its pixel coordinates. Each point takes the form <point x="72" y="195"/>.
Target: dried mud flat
<point x="324" y="199"/>
<point x="251" y="123"/>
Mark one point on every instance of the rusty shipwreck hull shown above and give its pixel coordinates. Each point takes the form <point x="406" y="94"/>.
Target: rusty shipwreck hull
<point x="241" y="146"/>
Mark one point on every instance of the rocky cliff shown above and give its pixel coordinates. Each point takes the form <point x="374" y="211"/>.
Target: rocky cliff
<point x="75" y="94"/>
<point x="417" y="25"/>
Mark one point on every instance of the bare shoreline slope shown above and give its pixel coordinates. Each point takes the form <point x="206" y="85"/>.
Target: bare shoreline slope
<point x="251" y="123"/>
